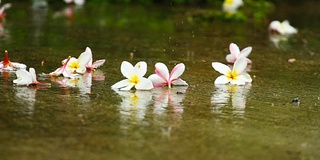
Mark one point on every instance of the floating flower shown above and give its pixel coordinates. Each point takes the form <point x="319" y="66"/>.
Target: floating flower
<point x="63" y="70"/>
<point x="27" y="78"/>
<point x="162" y="76"/>
<point x="231" y="6"/>
<point x="2" y="9"/>
<point x="236" y="76"/>
<point x="79" y="65"/>
<point x="77" y="2"/>
<point x="134" y="77"/>
<point x="235" y="53"/>
<point x="7" y="65"/>
<point x="92" y="66"/>
<point x="283" y="28"/>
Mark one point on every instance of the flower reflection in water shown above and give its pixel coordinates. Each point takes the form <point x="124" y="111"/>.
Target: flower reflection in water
<point x="26" y="96"/>
<point x="133" y="107"/>
<point x="165" y="97"/>
<point x="224" y="93"/>
<point x="83" y="82"/>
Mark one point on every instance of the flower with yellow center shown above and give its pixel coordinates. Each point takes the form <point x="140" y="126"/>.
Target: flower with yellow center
<point x="79" y="65"/>
<point x="236" y="76"/>
<point x="231" y="6"/>
<point x="134" y="77"/>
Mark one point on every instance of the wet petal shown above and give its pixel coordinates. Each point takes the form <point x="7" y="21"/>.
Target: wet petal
<point x="121" y="84"/>
<point x="222" y="80"/>
<point x="128" y="87"/>
<point x="157" y="81"/>
<point x="126" y="69"/>
<point x="230" y="58"/>
<point x="240" y="65"/>
<point x="234" y="50"/>
<point x="162" y="71"/>
<point x="141" y="68"/>
<point x="144" y="84"/>
<point x="221" y="68"/>
<point x="177" y="71"/>
<point x="179" y="82"/>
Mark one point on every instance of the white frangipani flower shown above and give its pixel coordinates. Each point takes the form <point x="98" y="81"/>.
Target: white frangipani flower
<point x="134" y="77"/>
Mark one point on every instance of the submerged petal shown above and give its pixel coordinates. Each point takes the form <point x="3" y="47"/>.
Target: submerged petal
<point x="162" y="71"/>
<point x="221" y="68"/>
<point x="222" y="80"/>
<point x="177" y="71"/>
<point x="144" y="84"/>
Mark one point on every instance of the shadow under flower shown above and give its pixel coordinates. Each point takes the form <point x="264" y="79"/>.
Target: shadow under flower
<point x="223" y="94"/>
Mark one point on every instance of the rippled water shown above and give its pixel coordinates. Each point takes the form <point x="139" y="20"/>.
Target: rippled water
<point x="86" y="119"/>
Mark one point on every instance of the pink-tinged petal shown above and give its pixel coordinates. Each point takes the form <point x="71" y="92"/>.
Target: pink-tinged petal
<point x="221" y="68"/>
<point x="240" y="65"/>
<point x="238" y="82"/>
<point x="230" y="58"/>
<point x="157" y="81"/>
<point x="249" y="61"/>
<point x="177" y="71"/>
<point x="245" y="52"/>
<point x="140" y="68"/>
<point x="98" y="63"/>
<point x="179" y="82"/>
<point x="162" y="71"/>
<point x="127" y="69"/>
<point x="33" y="75"/>
<point x="234" y="50"/>
<point x="1" y="65"/>
<point x="121" y="84"/>
<point x="144" y="84"/>
<point x="23" y="77"/>
<point x="222" y="80"/>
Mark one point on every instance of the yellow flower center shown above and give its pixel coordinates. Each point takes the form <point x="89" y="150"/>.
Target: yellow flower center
<point x="134" y="79"/>
<point x="228" y="2"/>
<point x="74" y="65"/>
<point x="233" y="75"/>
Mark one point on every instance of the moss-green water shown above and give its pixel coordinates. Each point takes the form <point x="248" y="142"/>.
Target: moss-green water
<point x="73" y="120"/>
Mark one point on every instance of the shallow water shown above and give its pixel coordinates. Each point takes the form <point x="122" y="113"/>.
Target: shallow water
<point x="86" y="119"/>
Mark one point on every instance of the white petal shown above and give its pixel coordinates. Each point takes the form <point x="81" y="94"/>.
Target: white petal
<point x="222" y="80"/>
<point x="127" y="69"/>
<point x="128" y="87"/>
<point x="221" y="68"/>
<point x="240" y="65"/>
<point x="238" y="82"/>
<point x="157" y="81"/>
<point x="23" y="77"/>
<point x="230" y="58"/>
<point x="79" y="2"/>
<point x="179" y="82"/>
<point x="162" y="71"/>
<point x="98" y="63"/>
<point x="85" y="57"/>
<point x="177" y="71"/>
<point x="245" y="52"/>
<point x="18" y="65"/>
<point x="144" y="84"/>
<point x="245" y="77"/>
<point x="121" y="84"/>
<point x="234" y="50"/>
<point x="33" y="75"/>
<point x="140" y="68"/>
